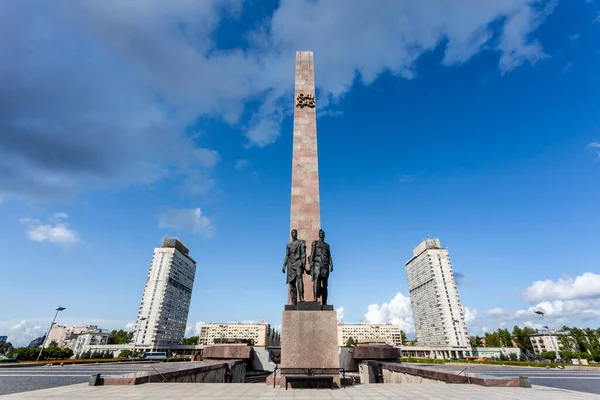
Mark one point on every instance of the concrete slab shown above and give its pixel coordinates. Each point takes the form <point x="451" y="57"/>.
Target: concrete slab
<point x="261" y="391"/>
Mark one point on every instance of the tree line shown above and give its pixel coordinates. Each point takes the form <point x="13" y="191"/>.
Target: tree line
<point x="580" y="343"/>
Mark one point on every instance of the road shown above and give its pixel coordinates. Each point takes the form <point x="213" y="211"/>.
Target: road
<point x="583" y="381"/>
<point x="14" y="380"/>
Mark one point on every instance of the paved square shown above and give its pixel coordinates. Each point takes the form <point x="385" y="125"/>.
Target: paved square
<point x="260" y="391"/>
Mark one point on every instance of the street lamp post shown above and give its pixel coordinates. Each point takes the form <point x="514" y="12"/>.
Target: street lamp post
<point x="137" y="334"/>
<point x="46" y="337"/>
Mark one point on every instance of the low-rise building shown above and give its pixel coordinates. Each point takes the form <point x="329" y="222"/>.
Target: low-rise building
<point x="438" y="352"/>
<point x="62" y="335"/>
<point x="84" y="341"/>
<point x="496" y="352"/>
<point x="262" y="334"/>
<point x="362" y="332"/>
<point x="549" y="340"/>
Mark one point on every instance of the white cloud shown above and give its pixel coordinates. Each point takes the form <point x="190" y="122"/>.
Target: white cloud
<point x="191" y="220"/>
<point x="193" y="330"/>
<point x="405" y="178"/>
<point x="534" y="325"/>
<point x="580" y="287"/>
<point x="56" y="231"/>
<point x="582" y="309"/>
<point x="242" y="163"/>
<point x="398" y="312"/>
<point x="130" y="326"/>
<point x="596" y="147"/>
<point x="23" y="332"/>
<point x="59" y="216"/>
<point x="574" y="37"/>
<point x="485" y="329"/>
<point x="340" y="314"/>
<point x="567" y="67"/>
<point x="470" y="315"/>
<point x="149" y="70"/>
<point x="515" y="46"/>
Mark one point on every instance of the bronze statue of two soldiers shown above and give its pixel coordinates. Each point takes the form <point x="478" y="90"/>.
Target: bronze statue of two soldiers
<point x="320" y="263"/>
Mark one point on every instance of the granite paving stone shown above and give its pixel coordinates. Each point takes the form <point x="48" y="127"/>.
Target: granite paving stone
<point x="173" y="391"/>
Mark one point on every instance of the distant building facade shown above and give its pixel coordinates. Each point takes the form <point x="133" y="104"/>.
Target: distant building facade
<point x="62" y="335"/>
<point x="83" y="341"/>
<point x="488" y="353"/>
<point x="437" y="311"/>
<point x="372" y="332"/>
<point x="548" y="340"/>
<point x="262" y="334"/>
<point x="165" y="306"/>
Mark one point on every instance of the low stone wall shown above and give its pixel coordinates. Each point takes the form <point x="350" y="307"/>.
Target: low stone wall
<point x="228" y="351"/>
<point x="261" y="360"/>
<point x="443" y="376"/>
<point x="346" y="360"/>
<point x="237" y="371"/>
<point x="375" y="352"/>
<point x="390" y="376"/>
<point x="222" y="371"/>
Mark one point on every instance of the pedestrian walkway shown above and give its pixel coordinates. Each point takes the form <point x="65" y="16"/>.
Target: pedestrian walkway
<point x="174" y="391"/>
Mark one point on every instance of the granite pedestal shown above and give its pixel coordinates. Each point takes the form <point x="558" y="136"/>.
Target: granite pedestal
<point x="309" y="343"/>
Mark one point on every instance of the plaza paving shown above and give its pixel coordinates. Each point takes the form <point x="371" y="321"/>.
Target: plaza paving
<point x="261" y="391"/>
<point x="15" y="380"/>
<point x="584" y="381"/>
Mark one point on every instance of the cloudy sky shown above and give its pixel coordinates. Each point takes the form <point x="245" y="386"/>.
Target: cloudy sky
<point x="473" y="121"/>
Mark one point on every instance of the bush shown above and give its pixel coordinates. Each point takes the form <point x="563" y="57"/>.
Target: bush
<point x="50" y="353"/>
<point x="549" y="355"/>
<point x="567" y="355"/>
<point x="125" y="354"/>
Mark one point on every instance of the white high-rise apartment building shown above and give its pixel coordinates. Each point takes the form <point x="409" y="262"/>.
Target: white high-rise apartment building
<point x="437" y="312"/>
<point x="163" y="314"/>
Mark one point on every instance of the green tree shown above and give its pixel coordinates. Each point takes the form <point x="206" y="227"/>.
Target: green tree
<point x="549" y="355"/>
<point x="585" y="355"/>
<point x="350" y="342"/>
<point x="403" y="337"/>
<point x="191" y="340"/>
<point x="6" y="347"/>
<point x="119" y="337"/>
<point x="505" y="338"/>
<point x="580" y="339"/>
<point x="566" y="342"/>
<point x="125" y="354"/>
<point x="567" y="354"/>
<point x="492" y="340"/>
<point x="522" y="338"/>
<point x="25" y="353"/>
<point x="475" y="341"/>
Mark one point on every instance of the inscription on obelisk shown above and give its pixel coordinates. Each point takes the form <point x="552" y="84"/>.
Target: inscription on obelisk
<point x="305" y="214"/>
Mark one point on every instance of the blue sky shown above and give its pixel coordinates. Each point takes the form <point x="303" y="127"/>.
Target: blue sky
<point x="474" y="122"/>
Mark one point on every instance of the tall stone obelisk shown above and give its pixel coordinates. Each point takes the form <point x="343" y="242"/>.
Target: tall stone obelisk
<point x="305" y="214"/>
<point x="309" y="341"/>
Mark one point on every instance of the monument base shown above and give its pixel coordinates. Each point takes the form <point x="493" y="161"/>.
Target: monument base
<point x="309" y="344"/>
<point x="308" y="306"/>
